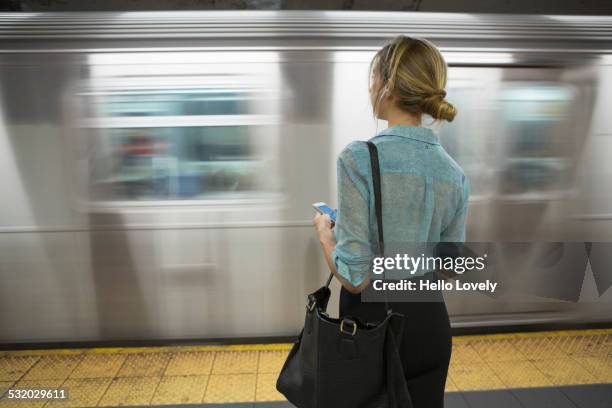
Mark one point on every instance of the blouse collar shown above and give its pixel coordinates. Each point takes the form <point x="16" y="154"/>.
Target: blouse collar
<point x="422" y="134"/>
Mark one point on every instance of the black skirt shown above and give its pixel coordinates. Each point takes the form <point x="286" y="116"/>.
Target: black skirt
<point x="426" y="344"/>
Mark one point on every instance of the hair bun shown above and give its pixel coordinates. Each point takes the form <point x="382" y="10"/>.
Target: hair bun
<point x="437" y="107"/>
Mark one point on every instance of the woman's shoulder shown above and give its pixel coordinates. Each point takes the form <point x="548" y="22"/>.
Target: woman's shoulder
<point x="355" y="151"/>
<point x="356" y="146"/>
<point x="355" y="158"/>
<point x="454" y="167"/>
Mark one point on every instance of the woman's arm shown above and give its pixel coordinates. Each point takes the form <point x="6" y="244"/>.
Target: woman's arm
<point x="324" y="228"/>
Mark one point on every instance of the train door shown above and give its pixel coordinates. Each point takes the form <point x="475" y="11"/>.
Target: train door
<point x="518" y="137"/>
<point x="181" y="188"/>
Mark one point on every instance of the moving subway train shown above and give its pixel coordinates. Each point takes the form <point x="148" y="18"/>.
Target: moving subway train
<point x="158" y="169"/>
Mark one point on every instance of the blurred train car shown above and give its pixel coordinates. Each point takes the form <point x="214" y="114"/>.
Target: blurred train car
<point x="158" y="169"/>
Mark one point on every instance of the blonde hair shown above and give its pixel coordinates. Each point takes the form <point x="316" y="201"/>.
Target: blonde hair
<point x="414" y="71"/>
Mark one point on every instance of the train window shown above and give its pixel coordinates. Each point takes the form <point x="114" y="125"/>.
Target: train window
<point x="199" y="127"/>
<point x="197" y="136"/>
<point x="519" y="145"/>
<point x="174" y="163"/>
<point x="175" y="103"/>
<point x="538" y="146"/>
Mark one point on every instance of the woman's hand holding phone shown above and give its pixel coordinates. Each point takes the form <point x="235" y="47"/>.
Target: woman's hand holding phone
<point x="323" y="222"/>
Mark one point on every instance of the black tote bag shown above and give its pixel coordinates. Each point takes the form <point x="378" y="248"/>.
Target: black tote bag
<point x="344" y="362"/>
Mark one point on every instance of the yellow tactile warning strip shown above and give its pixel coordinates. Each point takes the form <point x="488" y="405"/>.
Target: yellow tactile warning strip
<point x="243" y="373"/>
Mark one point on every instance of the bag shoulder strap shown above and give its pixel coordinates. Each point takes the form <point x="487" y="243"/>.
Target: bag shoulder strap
<point x="377" y="194"/>
<point x="378" y="207"/>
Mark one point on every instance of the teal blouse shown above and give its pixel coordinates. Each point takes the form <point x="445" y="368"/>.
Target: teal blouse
<point x="424" y="197"/>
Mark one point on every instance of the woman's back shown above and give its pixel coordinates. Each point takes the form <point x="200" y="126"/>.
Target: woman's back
<point x="424" y="196"/>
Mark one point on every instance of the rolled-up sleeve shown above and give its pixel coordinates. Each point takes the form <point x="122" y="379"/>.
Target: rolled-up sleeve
<point x="353" y="253"/>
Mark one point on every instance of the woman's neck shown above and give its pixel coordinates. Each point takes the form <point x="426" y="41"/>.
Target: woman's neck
<point x="396" y="117"/>
<point x="403" y="123"/>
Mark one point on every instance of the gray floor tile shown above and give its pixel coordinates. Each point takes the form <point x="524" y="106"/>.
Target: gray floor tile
<point x="491" y="399"/>
<point x="454" y="400"/>
<point x="542" y="398"/>
<point x="230" y="405"/>
<point x="590" y="396"/>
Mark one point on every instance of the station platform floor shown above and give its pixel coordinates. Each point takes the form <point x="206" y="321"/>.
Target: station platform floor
<point x="541" y="369"/>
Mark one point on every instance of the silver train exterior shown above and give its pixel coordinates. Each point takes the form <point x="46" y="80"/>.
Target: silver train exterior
<point x="158" y="169"/>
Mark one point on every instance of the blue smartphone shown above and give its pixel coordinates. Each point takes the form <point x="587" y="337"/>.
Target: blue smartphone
<point x="325" y="209"/>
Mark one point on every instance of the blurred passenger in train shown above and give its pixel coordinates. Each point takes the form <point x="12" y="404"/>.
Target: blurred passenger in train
<point x="136" y="154"/>
<point x="424" y="199"/>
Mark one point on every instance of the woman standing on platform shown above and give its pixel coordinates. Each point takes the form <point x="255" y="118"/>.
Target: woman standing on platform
<point x="424" y="199"/>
